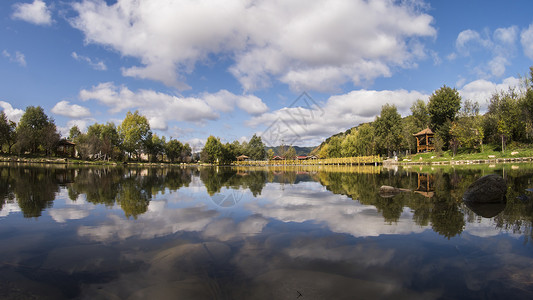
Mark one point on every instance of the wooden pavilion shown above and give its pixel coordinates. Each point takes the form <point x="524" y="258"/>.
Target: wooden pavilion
<point x="424" y="140"/>
<point x="242" y="158"/>
<point x="66" y="148"/>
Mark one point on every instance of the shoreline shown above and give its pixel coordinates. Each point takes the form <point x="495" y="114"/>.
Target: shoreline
<point x="388" y="162"/>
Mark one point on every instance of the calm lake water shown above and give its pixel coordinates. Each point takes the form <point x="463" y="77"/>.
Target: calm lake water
<point x="250" y="233"/>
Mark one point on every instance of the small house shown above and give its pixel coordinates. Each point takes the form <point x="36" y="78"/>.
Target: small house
<point x="425" y="140"/>
<point x="66" y="148"/>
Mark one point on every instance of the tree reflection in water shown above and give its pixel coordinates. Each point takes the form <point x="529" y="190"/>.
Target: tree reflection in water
<point x="435" y="200"/>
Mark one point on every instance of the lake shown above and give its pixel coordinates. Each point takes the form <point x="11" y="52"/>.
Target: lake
<point x="262" y="233"/>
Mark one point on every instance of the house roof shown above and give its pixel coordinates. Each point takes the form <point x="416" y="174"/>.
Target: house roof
<point x="66" y="142"/>
<point x="424" y="132"/>
<point x="242" y="157"/>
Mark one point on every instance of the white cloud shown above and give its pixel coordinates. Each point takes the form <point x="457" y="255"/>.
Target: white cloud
<point x="62" y="215"/>
<point x="501" y="46"/>
<point x="36" y="12"/>
<point x="160" y="108"/>
<point x="481" y="90"/>
<point x="226" y="101"/>
<point x="315" y="46"/>
<point x="467" y="39"/>
<point x="13" y="114"/>
<point x="18" y="57"/>
<point x="97" y="65"/>
<point x="157" y="107"/>
<point x="506" y="36"/>
<point x="526" y="39"/>
<point x="311" y="124"/>
<point x="310" y="202"/>
<point x="64" y="108"/>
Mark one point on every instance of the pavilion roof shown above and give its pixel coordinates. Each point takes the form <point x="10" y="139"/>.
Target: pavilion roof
<point x="424" y="132"/>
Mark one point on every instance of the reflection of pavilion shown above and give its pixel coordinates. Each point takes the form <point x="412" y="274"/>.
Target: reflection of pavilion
<point x="425" y="185"/>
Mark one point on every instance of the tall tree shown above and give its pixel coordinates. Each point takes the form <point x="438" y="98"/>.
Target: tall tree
<point x="335" y="146"/>
<point x="467" y="130"/>
<point x="256" y="148"/>
<point x="290" y="153"/>
<point x="505" y="117"/>
<point x="156" y="147"/>
<point x="348" y="145"/>
<point x="135" y="133"/>
<point x="173" y="149"/>
<point x="35" y="130"/>
<point x="443" y="105"/>
<point x="74" y="132"/>
<point x="420" y="114"/>
<point x="365" y="140"/>
<point x="186" y="153"/>
<point x="4" y="129"/>
<point x="212" y="152"/>
<point x="388" y="129"/>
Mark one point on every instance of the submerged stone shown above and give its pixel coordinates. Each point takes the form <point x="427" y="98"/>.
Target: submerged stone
<point x="487" y="189"/>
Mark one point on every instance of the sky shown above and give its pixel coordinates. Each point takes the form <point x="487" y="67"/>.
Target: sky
<point x="292" y="72"/>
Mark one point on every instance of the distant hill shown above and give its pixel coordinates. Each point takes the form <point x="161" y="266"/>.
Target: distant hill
<point x="316" y="149"/>
<point x="299" y="150"/>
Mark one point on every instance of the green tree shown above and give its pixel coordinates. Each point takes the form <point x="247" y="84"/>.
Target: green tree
<point x="256" y="148"/>
<point x="290" y="153"/>
<point x="335" y="146"/>
<point x="365" y="140"/>
<point x="505" y="117"/>
<point x="74" y="132"/>
<point x="36" y="131"/>
<point x="409" y="127"/>
<point x="156" y="147"/>
<point x="270" y="154"/>
<point x="186" y="153"/>
<point x="173" y="150"/>
<point x="212" y="152"/>
<point x="4" y="129"/>
<point x="388" y="129"/>
<point x="135" y="133"/>
<point x="11" y="137"/>
<point x="349" y="145"/>
<point x="443" y="105"/>
<point x="467" y="130"/>
<point x="420" y="114"/>
<point x="50" y="137"/>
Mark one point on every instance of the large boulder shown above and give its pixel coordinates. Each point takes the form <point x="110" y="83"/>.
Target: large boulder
<point x="487" y="189"/>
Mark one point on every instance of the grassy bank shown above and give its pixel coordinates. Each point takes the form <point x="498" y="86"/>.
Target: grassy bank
<point x="489" y="153"/>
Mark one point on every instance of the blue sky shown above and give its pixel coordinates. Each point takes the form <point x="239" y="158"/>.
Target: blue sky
<point x="292" y="71"/>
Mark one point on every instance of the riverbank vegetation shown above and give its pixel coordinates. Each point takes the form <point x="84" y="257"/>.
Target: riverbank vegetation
<point x="459" y="127"/>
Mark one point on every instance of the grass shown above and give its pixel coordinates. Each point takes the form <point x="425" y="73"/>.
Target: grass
<point x="489" y="152"/>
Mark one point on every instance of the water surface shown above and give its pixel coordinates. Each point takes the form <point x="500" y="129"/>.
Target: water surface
<point x="257" y="233"/>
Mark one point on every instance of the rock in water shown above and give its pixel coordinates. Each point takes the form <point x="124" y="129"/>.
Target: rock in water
<point x="487" y="189"/>
<point x="486" y="210"/>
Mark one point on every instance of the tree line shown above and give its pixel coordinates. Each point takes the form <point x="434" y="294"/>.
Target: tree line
<point x="36" y="133"/>
<point x="456" y="122"/>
